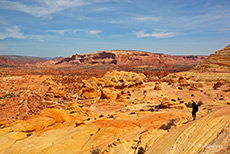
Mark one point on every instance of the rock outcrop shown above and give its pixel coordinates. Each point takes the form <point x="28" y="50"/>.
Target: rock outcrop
<point x="110" y="86"/>
<point x="130" y="59"/>
<point x="217" y="62"/>
<point x="209" y="134"/>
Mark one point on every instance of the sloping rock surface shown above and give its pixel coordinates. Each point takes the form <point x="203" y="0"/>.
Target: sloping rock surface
<point x="206" y="135"/>
<point x="217" y="62"/>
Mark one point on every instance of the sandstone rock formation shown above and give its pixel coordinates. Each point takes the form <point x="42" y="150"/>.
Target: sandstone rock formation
<point x="157" y="86"/>
<point x="207" y="135"/>
<point x="117" y="112"/>
<point x="217" y="62"/>
<point x="129" y="58"/>
<point x="109" y="87"/>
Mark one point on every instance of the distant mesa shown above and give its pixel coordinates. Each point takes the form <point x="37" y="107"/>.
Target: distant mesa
<point x="130" y="58"/>
<point x="217" y="62"/>
<point x="7" y="62"/>
<point x="20" y="60"/>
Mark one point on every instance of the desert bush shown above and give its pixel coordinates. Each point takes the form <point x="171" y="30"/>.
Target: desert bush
<point x="141" y="150"/>
<point x="158" y="107"/>
<point x="111" y="116"/>
<point x="165" y="127"/>
<point x="189" y="104"/>
<point x="200" y="103"/>
<point x="169" y="124"/>
<point x="101" y="116"/>
<point x="151" y="109"/>
<point x="95" y="151"/>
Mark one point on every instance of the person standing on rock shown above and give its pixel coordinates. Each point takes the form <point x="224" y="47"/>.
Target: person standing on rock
<point x="194" y="110"/>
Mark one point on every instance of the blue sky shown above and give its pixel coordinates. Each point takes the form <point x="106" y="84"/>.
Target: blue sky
<point x="50" y="28"/>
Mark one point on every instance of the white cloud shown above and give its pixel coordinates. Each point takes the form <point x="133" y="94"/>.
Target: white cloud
<point x="142" y="34"/>
<point x="93" y="32"/>
<point x="40" y="38"/>
<point x="43" y="7"/>
<point x="63" y="31"/>
<point x="13" y="32"/>
<point x="101" y="9"/>
<point x="146" y="18"/>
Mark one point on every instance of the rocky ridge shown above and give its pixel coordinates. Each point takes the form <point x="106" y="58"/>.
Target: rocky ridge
<point x="130" y="58"/>
<point x="217" y="62"/>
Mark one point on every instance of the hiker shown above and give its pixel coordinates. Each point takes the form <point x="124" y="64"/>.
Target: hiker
<point x="194" y="110"/>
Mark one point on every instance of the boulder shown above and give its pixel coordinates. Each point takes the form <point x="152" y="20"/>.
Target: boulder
<point x="194" y="88"/>
<point x="157" y="86"/>
<point x="218" y="84"/>
<point x="56" y="114"/>
<point x="21" y="126"/>
<point x="40" y="123"/>
<point x="165" y="105"/>
<point x="183" y="83"/>
<point x="75" y="109"/>
<point x="108" y="93"/>
<point x="90" y="92"/>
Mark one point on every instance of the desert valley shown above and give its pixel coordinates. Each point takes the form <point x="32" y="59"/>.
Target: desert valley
<point x="115" y="102"/>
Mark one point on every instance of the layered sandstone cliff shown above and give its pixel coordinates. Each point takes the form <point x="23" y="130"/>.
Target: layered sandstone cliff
<point x="217" y="62"/>
<point x="130" y="58"/>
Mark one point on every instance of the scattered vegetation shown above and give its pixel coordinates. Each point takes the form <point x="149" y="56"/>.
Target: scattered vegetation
<point x="200" y="103"/>
<point x="158" y="106"/>
<point x="111" y="116"/>
<point x="141" y="150"/>
<point x="7" y="96"/>
<point x="151" y="109"/>
<point x="169" y="124"/>
<point x="29" y="134"/>
<point x="100" y="116"/>
<point x="173" y="100"/>
<point x="95" y="151"/>
<point x="189" y="104"/>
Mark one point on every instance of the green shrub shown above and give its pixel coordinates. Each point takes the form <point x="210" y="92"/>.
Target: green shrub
<point x="141" y="150"/>
<point x="95" y="151"/>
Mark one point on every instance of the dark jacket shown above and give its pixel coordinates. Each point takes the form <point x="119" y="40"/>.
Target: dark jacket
<point x="194" y="108"/>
